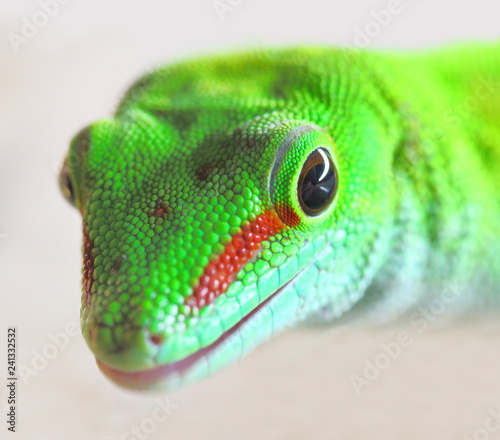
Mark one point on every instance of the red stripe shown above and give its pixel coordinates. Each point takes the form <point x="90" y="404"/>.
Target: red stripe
<point x="220" y="272"/>
<point x="88" y="266"/>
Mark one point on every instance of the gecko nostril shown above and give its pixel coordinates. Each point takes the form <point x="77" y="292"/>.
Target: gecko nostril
<point x="156" y="339"/>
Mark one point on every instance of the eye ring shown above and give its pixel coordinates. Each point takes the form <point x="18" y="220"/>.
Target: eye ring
<point x="66" y="184"/>
<point x="318" y="182"/>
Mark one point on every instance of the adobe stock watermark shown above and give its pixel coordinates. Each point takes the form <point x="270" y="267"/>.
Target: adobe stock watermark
<point x="222" y="7"/>
<point x="453" y="118"/>
<point x="392" y="350"/>
<point x="491" y="424"/>
<point x="41" y="358"/>
<point x="484" y="88"/>
<point x="381" y="19"/>
<point x="31" y="26"/>
<point x="164" y="409"/>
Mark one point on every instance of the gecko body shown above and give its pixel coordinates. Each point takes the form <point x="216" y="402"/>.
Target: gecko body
<point x="233" y="196"/>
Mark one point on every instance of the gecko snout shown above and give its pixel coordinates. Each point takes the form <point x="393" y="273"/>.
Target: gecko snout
<point x="129" y="350"/>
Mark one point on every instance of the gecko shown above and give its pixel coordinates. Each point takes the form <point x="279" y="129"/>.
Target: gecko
<point x="233" y="196"/>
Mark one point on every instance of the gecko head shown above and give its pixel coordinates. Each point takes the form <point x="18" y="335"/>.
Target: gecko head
<point x="199" y="244"/>
<point x="193" y="254"/>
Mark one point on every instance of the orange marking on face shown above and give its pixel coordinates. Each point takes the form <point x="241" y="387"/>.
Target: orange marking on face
<point x="220" y="272"/>
<point x="88" y="266"/>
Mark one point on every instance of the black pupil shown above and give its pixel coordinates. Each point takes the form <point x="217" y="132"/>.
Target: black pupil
<point x="319" y="182"/>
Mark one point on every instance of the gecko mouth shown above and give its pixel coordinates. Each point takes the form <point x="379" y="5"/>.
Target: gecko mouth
<point x="153" y="377"/>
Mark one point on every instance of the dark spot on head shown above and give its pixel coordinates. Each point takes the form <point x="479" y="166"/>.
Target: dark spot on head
<point x="251" y="142"/>
<point x="181" y="119"/>
<point x="88" y="266"/>
<point x="117" y="264"/>
<point x="280" y="86"/>
<point x="240" y="140"/>
<point x="204" y="170"/>
<point x="161" y="209"/>
<point x="226" y="143"/>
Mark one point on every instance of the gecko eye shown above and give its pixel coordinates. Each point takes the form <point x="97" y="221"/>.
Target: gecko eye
<point x="317" y="182"/>
<point x="66" y="184"/>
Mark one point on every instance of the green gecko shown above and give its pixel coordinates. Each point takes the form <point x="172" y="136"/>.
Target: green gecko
<point x="233" y="196"/>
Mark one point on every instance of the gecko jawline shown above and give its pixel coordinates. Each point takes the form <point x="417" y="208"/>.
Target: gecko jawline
<point x="154" y="377"/>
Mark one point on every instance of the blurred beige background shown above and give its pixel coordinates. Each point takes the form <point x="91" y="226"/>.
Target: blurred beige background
<point x="72" y="68"/>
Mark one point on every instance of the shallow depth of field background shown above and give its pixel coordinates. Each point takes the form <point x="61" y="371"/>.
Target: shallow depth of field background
<point x="73" y="70"/>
